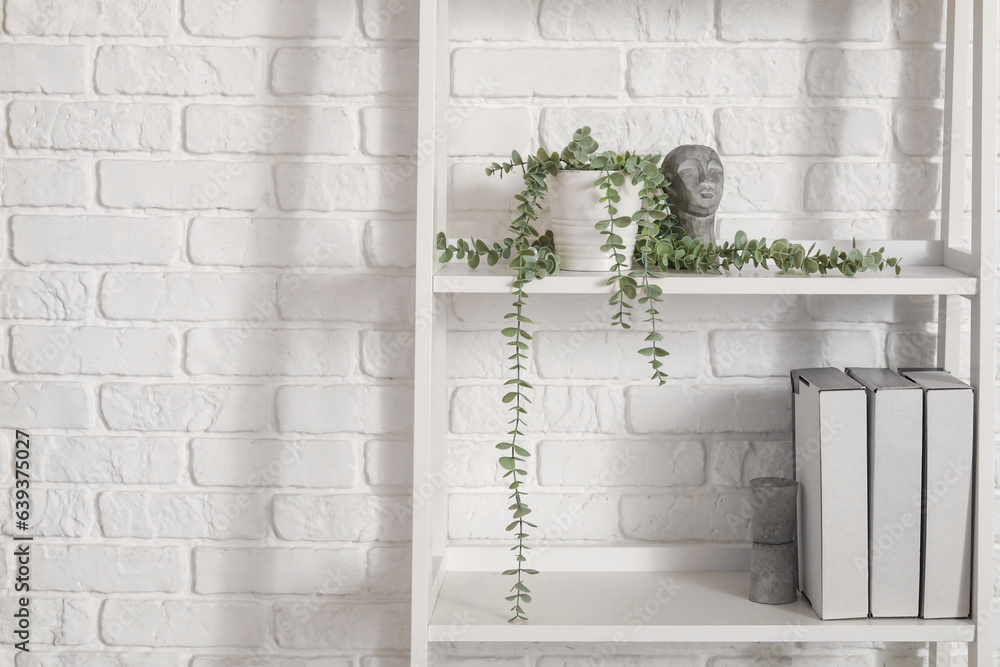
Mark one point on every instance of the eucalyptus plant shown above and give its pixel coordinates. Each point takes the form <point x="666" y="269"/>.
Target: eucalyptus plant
<point x="661" y="245"/>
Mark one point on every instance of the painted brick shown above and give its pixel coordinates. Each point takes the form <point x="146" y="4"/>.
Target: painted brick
<point x="60" y="295"/>
<point x="594" y="313"/>
<point x="362" y="409"/>
<point x="920" y="131"/>
<point x="308" y="625"/>
<point x="278" y="571"/>
<point x="761" y="353"/>
<point x="6" y="477"/>
<point x="243" y="463"/>
<point x="736" y="463"/>
<point x="389" y="462"/>
<point x="284" y="352"/>
<point x="281" y="242"/>
<point x="108" y="569"/>
<point x="662" y="659"/>
<point x="586" y="354"/>
<point x="185" y="407"/>
<point x="45" y="405"/>
<point x="567" y="516"/>
<point x="628" y="20"/>
<point x="183" y="623"/>
<point x="389" y="131"/>
<point x="383" y="662"/>
<point x="472" y="190"/>
<point x="179" y="70"/>
<point x="215" y="516"/>
<point x="345" y="298"/>
<point x="817" y="661"/>
<point x="675" y="517"/>
<point x="875" y="73"/>
<point x="103" y="659"/>
<point x="260" y="18"/>
<point x="343" y="71"/>
<point x="714" y="72"/>
<point x="473" y="463"/>
<point x="345" y="187"/>
<point x="805" y="20"/>
<point x="54" y="513"/>
<point x="868" y="227"/>
<point x="93" y="239"/>
<point x="472" y="20"/>
<point x="919" y="21"/>
<point x="273" y="661"/>
<point x="44" y="68"/>
<point x="748" y="101"/>
<point x="344" y="518"/>
<point x="390" y="19"/>
<point x="94" y="350"/>
<point x="468" y="20"/>
<point x="183" y="184"/>
<point x="138" y="18"/>
<point x="554" y="409"/>
<point x="873" y="187"/>
<point x="899" y="309"/>
<point x="93" y="126"/>
<point x="602" y="463"/>
<point x="796" y="131"/>
<point x="187" y="296"/>
<point x="54" y="622"/>
<point x="639" y="129"/>
<point x="389" y="570"/>
<point x="487" y="131"/>
<point x="526" y="72"/>
<point x="753" y="187"/>
<point x="910" y="349"/>
<point x="478" y="354"/>
<point x="390" y="244"/>
<point x="31" y="182"/>
<point x="98" y="459"/>
<point x="387" y="354"/>
<point x="303" y="130"/>
<point x="709" y="409"/>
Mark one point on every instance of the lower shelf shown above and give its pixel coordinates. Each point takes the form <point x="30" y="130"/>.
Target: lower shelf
<point x="625" y="607"/>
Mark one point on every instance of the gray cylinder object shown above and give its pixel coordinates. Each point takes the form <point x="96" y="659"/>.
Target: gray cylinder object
<point x="773" y="573"/>
<point x="773" y="505"/>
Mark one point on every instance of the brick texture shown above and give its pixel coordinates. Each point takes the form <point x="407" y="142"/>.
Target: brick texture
<point x="207" y="302"/>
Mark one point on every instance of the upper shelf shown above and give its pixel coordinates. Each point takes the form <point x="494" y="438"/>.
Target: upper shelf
<point x="914" y="280"/>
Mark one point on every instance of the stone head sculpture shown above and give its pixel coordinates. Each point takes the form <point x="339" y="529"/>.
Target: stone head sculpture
<point x="696" y="180"/>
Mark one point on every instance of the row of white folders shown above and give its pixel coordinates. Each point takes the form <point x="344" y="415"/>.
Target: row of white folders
<point x="884" y="461"/>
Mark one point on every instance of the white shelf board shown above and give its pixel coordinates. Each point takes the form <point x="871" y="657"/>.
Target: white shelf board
<point x="626" y="607"/>
<point x="915" y="280"/>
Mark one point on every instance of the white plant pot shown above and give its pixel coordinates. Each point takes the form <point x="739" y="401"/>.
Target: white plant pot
<point x="575" y="204"/>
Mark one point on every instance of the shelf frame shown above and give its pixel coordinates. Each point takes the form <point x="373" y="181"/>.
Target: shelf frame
<point x="965" y="273"/>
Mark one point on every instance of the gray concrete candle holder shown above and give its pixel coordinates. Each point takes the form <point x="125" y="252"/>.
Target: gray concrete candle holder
<point x="774" y="557"/>
<point x="773" y="573"/>
<point x="773" y="502"/>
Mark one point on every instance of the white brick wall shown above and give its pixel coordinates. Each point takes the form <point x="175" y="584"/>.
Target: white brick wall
<point x="207" y="302"/>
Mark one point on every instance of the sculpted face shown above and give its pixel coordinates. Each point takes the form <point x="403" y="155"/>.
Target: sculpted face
<point x="696" y="179"/>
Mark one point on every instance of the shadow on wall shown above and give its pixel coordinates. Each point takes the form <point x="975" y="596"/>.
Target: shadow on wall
<point x="302" y="344"/>
<point x="902" y="193"/>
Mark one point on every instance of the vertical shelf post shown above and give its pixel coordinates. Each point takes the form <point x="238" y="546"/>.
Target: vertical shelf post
<point x="430" y="378"/>
<point x="984" y="213"/>
<point x="953" y="175"/>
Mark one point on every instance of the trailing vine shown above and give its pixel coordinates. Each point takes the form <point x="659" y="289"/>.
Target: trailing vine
<point x="661" y="246"/>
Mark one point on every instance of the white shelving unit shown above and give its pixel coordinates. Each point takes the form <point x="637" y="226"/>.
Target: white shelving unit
<point x="586" y="594"/>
